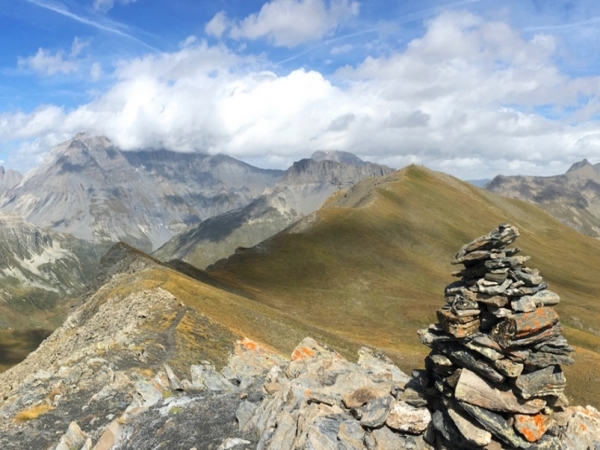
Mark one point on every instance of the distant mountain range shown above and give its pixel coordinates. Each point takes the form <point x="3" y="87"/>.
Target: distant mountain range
<point x="302" y="190"/>
<point x="89" y="188"/>
<point x="573" y="198"/>
<point x="40" y="270"/>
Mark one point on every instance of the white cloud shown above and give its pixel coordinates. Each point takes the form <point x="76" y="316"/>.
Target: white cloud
<point x="217" y="25"/>
<point x="462" y="98"/>
<point x="105" y="5"/>
<point x="96" y="71"/>
<point x="46" y="63"/>
<point x="286" y="23"/>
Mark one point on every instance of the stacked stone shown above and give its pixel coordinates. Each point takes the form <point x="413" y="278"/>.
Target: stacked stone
<point x="496" y="352"/>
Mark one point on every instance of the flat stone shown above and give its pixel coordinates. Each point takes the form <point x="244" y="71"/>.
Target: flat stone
<point x="470" y="429"/>
<point x="529" y="279"/>
<point x="459" y="330"/>
<point x="493" y="290"/>
<point x="520" y="326"/>
<point x="498" y="238"/>
<point x="467" y="358"/>
<point x="545" y="298"/>
<point x="534" y="338"/>
<point x="531" y="428"/>
<point x="73" y="438"/>
<point x="539" y="359"/>
<point x="488" y="352"/>
<point x="525" y="290"/>
<point x="511" y="262"/>
<point x="496" y="277"/>
<point x="524" y="304"/>
<point x="447" y="315"/>
<point x="414" y="397"/>
<point x="323" y="434"/>
<point x="375" y="412"/>
<point x="496" y="425"/>
<point x="547" y="381"/>
<point x="478" y="255"/>
<point x="385" y="439"/>
<point x="486" y="299"/>
<point x="583" y="428"/>
<point x="509" y="368"/>
<point x="408" y="419"/>
<point x="477" y="391"/>
<point x="351" y="435"/>
<point x="173" y="380"/>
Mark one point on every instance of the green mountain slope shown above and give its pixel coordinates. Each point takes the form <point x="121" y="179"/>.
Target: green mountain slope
<point x="371" y="265"/>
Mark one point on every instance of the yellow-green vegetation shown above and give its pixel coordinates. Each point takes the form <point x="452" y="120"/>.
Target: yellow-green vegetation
<point x="372" y="264"/>
<point x="33" y="413"/>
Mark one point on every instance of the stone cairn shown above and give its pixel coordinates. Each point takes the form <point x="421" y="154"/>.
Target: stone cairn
<point x="494" y="371"/>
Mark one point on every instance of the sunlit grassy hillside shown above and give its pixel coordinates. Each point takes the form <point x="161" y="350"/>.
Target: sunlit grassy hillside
<point x="370" y="267"/>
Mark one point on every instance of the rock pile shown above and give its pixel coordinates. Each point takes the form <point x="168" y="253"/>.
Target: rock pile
<point x="495" y="363"/>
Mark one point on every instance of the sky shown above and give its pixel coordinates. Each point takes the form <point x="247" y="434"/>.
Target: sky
<point x="473" y="88"/>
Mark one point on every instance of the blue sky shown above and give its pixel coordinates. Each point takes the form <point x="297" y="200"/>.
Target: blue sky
<point x="472" y="88"/>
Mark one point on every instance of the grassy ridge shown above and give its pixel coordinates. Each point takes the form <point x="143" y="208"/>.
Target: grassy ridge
<point x="372" y="264"/>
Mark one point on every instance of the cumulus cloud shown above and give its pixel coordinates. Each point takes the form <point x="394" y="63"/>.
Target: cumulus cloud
<point x="464" y="97"/>
<point x="286" y="23"/>
<point x="47" y="63"/>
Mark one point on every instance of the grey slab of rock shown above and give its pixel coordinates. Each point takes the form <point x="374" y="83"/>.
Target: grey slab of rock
<point x="323" y="434"/>
<point x="244" y="413"/>
<point x="489" y="353"/>
<point x="547" y="381"/>
<point x="469" y="429"/>
<point x="496" y="425"/>
<point x="375" y="412"/>
<point x="414" y="397"/>
<point x="528" y="278"/>
<point x="384" y="439"/>
<point x="493" y="290"/>
<point x="377" y="363"/>
<point x="74" y="438"/>
<point x="541" y="359"/>
<point x="477" y="391"/>
<point x="351" y="435"/>
<point x="285" y="433"/>
<point x="545" y="298"/>
<point x="509" y="368"/>
<point x="173" y="380"/>
<point x="147" y="394"/>
<point x="467" y="358"/>
<point x="408" y="419"/>
<point x="524" y="304"/>
<point x="498" y="238"/>
<point x="204" y="376"/>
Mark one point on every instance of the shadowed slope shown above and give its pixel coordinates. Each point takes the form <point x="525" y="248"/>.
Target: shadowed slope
<point x="371" y="265"/>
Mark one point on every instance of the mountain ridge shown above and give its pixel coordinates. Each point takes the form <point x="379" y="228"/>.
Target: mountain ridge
<point x="304" y="187"/>
<point x="91" y="189"/>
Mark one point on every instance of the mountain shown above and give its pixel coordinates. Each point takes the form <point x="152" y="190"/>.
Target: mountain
<point x="303" y="188"/>
<point x="9" y="179"/>
<point x="155" y="357"/>
<point x="573" y="197"/>
<point x="91" y="189"/>
<point x="41" y="273"/>
<point x="479" y="183"/>
<point x="371" y="265"/>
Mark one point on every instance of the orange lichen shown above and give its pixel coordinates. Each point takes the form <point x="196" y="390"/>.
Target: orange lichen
<point x="302" y="353"/>
<point x="531" y="427"/>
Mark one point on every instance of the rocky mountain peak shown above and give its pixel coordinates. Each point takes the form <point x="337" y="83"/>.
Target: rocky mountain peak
<point x="337" y="156"/>
<point x="578" y="165"/>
